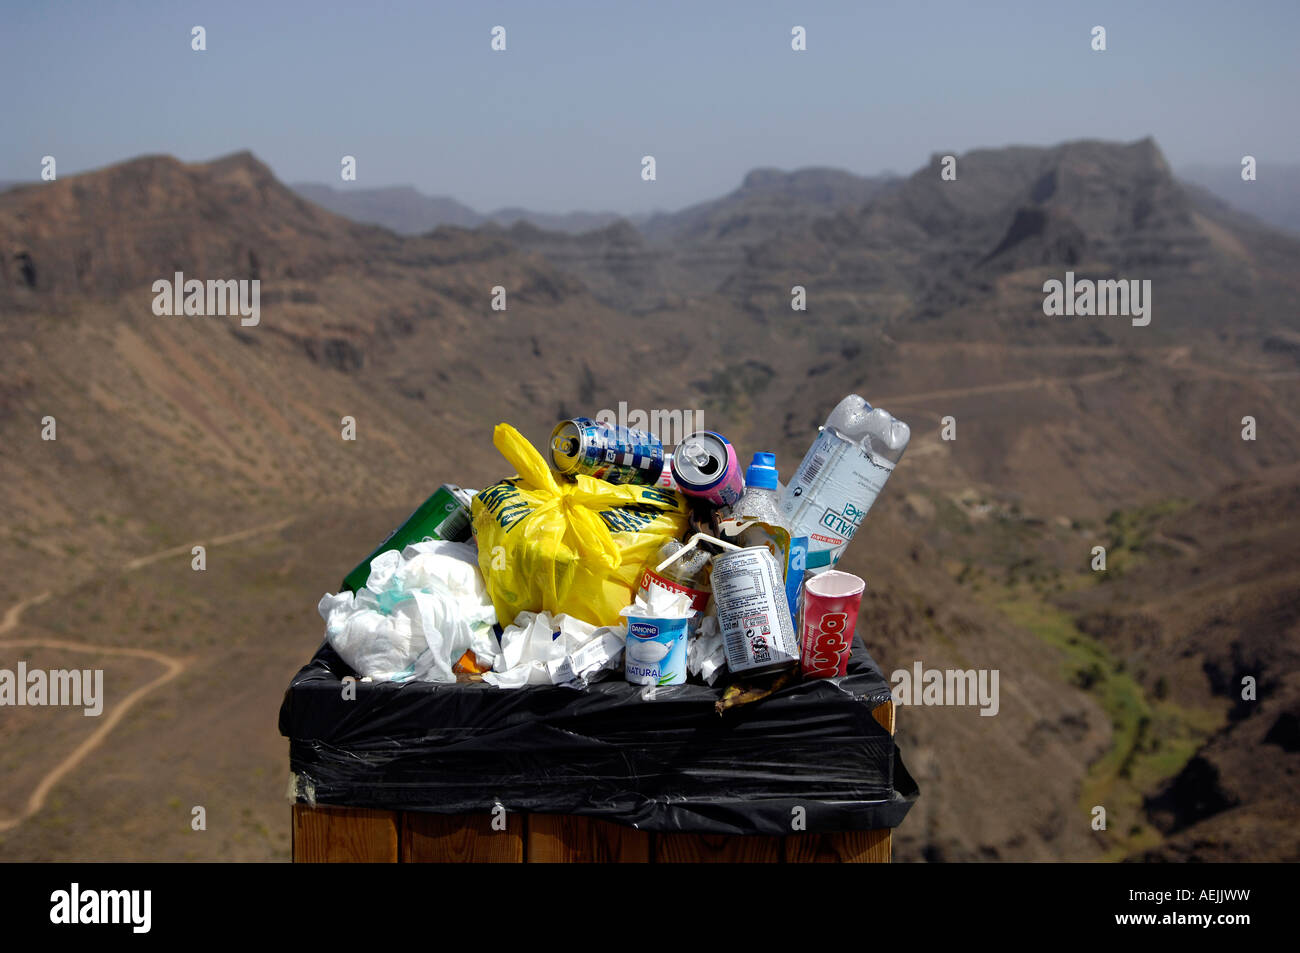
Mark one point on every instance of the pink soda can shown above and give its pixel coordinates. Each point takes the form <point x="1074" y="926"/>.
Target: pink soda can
<point x="705" y="466"/>
<point x="829" y="615"/>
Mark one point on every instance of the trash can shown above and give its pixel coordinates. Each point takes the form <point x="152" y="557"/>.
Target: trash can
<point x="410" y="772"/>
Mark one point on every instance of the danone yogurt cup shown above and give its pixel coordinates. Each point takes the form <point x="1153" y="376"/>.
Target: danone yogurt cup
<point x="656" y="651"/>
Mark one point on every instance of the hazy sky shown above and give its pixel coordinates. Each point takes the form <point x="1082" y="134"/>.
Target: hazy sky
<point x="561" y="119"/>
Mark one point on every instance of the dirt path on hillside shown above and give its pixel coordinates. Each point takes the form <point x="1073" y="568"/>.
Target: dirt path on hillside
<point x="171" y="666"/>
<point x="186" y="548"/>
<point x="1028" y="384"/>
<point x="1174" y="357"/>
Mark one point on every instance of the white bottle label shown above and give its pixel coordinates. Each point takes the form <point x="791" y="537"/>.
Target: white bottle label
<point x="831" y="492"/>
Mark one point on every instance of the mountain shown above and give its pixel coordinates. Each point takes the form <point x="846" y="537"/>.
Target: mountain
<point x="768" y="201"/>
<point x="937" y="282"/>
<point x="711" y="241"/>
<point x="405" y="210"/>
<point x="1007" y="212"/>
<point x="616" y="263"/>
<point x="178" y="412"/>
<point x="398" y="208"/>
<point x="77" y="235"/>
<point x="651" y="264"/>
<point x="641" y="264"/>
<point x="1271" y="197"/>
<point x="1119" y="686"/>
<point x="573" y="223"/>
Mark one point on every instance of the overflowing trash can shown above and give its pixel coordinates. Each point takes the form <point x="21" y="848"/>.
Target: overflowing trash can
<point x="624" y="654"/>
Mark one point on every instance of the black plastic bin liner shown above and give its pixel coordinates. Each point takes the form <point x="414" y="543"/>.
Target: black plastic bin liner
<point x="670" y="764"/>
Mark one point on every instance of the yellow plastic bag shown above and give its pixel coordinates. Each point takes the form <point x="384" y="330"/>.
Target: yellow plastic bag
<point x="548" y="545"/>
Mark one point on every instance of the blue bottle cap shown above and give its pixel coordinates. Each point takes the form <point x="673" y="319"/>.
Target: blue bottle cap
<point x="762" y="472"/>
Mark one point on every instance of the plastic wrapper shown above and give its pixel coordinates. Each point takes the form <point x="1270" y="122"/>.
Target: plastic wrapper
<point x="547" y="544"/>
<point x="541" y="649"/>
<point x="667" y="763"/>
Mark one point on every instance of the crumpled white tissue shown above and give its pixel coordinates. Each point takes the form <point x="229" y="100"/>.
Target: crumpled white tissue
<point x="705" y="652"/>
<point x="658" y="603"/>
<point x="541" y="649"/>
<point x="418" y="613"/>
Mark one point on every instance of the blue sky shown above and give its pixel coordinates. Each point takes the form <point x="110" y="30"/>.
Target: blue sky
<point x="561" y="119"/>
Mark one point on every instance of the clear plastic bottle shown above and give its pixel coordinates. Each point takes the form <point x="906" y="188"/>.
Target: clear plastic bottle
<point x="841" y="475"/>
<point x="687" y="575"/>
<point x="761" y="500"/>
<point x="691" y="571"/>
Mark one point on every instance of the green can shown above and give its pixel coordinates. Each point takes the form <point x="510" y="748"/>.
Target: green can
<point x="445" y="515"/>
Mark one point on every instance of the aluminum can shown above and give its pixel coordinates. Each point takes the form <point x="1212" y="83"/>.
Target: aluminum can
<point x="705" y="466"/>
<point x="607" y="452"/>
<point x="445" y="515"/>
<point x="666" y="481"/>
<point x="753" y="613"/>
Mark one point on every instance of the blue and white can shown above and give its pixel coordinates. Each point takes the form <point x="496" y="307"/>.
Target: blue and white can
<point x="607" y="452"/>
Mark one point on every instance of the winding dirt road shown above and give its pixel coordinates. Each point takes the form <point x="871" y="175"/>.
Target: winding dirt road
<point x="171" y="668"/>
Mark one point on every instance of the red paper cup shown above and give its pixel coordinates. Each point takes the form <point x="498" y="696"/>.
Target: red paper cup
<point x="830" y="614"/>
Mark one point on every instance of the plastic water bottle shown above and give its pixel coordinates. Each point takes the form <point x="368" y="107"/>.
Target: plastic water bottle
<point x="691" y="572"/>
<point x="841" y="475"/>
<point x="762" y="501"/>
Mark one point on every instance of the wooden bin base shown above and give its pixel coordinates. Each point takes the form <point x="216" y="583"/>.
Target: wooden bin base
<point x="326" y="834"/>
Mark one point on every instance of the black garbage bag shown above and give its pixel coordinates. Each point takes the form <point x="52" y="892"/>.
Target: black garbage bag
<point x="667" y="764"/>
